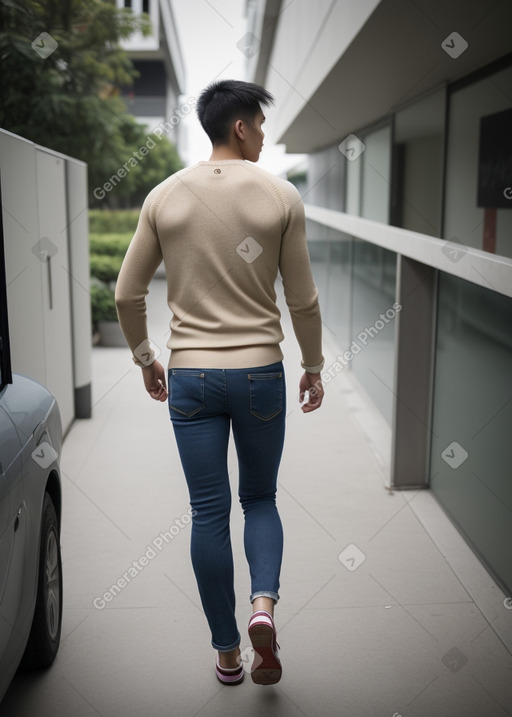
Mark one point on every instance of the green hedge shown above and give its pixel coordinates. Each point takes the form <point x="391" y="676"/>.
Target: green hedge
<point x="109" y="244"/>
<point x="103" y="305"/>
<point x="110" y="235"/>
<point x="105" y="268"/>
<point x="113" y="222"/>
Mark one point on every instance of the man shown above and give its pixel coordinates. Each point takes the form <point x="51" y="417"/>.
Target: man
<point x="224" y="229"/>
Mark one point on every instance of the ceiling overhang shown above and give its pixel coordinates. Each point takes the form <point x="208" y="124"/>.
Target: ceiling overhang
<point x="396" y="57"/>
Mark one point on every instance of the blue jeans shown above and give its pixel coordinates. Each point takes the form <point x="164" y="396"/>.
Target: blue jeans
<point x="203" y="405"/>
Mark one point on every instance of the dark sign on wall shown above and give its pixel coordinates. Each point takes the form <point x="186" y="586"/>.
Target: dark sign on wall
<point x="495" y="161"/>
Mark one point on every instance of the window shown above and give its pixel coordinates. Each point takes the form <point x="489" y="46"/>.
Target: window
<point x="479" y="110"/>
<point x="417" y="174"/>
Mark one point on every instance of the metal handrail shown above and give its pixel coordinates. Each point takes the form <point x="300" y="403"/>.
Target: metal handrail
<point x="478" y="267"/>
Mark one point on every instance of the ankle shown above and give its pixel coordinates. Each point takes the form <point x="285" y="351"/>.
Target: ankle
<point x="263" y="603"/>
<point x="230" y="660"/>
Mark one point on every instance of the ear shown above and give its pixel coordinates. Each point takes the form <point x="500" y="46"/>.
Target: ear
<point x="239" y="128"/>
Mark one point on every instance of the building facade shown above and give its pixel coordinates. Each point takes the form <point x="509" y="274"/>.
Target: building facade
<point x="405" y="111"/>
<point x="154" y="96"/>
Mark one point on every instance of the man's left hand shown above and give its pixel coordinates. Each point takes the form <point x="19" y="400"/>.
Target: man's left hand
<point x="154" y="381"/>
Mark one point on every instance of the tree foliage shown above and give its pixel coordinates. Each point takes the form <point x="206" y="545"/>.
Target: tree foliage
<point x="69" y="101"/>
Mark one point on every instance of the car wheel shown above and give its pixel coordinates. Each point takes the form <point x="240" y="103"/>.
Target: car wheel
<point x="44" y="639"/>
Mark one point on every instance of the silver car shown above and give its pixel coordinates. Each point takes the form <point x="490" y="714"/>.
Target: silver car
<point x="30" y="515"/>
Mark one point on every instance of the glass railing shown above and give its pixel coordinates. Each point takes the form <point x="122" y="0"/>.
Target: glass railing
<point x="356" y="284"/>
<point x="439" y="369"/>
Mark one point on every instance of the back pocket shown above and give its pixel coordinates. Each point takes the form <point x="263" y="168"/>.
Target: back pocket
<point x="266" y="392"/>
<point x="186" y="392"/>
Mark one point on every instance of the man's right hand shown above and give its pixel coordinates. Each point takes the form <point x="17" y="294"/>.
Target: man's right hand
<point x="312" y="384"/>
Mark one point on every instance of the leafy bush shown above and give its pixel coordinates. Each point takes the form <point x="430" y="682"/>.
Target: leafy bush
<point x="109" y="244"/>
<point x="103" y="305"/>
<point x="111" y="233"/>
<point x="68" y="101"/>
<point x="113" y="222"/>
<point x="105" y="268"/>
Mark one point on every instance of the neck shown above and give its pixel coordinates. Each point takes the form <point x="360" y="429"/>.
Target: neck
<point x="225" y="151"/>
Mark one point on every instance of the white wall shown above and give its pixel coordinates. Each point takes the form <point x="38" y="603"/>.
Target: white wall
<point x="78" y="241"/>
<point x="54" y="287"/>
<point x="39" y="213"/>
<point x="310" y="39"/>
<point x="137" y="41"/>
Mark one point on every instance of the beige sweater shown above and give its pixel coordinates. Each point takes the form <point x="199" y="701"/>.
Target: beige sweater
<point x="223" y="229"/>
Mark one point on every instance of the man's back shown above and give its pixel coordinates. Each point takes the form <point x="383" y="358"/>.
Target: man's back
<point x="224" y="229"/>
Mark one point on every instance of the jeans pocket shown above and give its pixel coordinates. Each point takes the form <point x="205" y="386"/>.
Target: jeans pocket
<point x="266" y="393"/>
<point x="186" y="392"/>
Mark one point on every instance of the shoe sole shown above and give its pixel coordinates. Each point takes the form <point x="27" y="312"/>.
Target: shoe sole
<point x="268" y="670"/>
<point x="228" y="682"/>
<point x="230" y="678"/>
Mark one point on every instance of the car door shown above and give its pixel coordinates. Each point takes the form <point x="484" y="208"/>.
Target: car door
<point x="12" y="542"/>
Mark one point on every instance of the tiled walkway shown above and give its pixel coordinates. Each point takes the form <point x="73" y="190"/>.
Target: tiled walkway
<point x="384" y="610"/>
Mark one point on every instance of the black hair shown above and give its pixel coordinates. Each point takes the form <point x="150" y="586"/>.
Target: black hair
<point x="225" y="101"/>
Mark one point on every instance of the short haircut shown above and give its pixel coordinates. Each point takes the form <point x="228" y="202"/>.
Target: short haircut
<point x="224" y="102"/>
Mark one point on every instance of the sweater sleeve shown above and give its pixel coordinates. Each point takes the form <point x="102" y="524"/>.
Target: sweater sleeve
<point x="139" y="265"/>
<point x="300" y="291"/>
